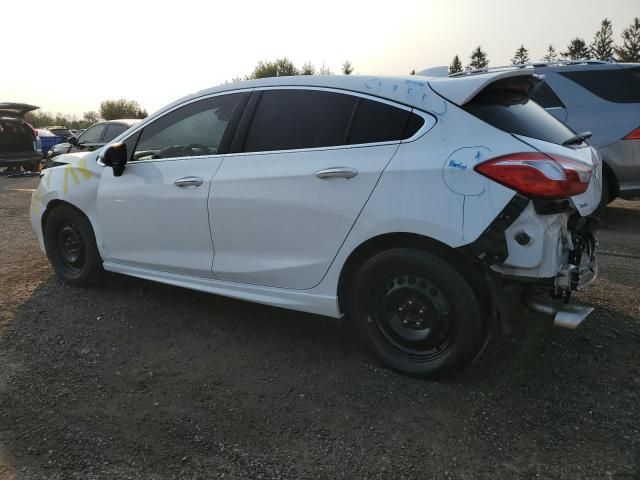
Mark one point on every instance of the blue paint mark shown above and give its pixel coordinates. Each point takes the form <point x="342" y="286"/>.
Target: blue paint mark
<point x="424" y="97"/>
<point x="372" y="83"/>
<point x="478" y="154"/>
<point x="395" y="87"/>
<point x="414" y="82"/>
<point x="454" y="164"/>
<point x="464" y="203"/>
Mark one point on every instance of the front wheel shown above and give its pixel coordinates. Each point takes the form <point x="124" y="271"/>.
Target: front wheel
<point x="71" y="246"/>
<point x="416" y="313"/>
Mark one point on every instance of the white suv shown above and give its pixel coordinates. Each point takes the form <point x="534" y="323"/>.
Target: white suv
<point x="416" y="207"/>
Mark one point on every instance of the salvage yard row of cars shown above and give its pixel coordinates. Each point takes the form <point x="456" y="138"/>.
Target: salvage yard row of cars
<point x="422" y="208"/>
<point x="21" y="145"/>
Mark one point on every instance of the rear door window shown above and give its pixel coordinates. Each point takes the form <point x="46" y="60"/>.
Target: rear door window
<point x="618" y="85"/>
<point x="293" y="119"/>
<point x="516" y="113"/>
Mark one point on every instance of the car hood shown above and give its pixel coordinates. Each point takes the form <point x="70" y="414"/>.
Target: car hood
<point x="88" y="159"/>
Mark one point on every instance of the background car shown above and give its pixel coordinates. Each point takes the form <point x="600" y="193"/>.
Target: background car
<point x="18" y="139"/>
<point x="47" y="140"/>
<point x="581" y="95"/>
<point x="63" y="132"/>
<point x="96" y="136"/>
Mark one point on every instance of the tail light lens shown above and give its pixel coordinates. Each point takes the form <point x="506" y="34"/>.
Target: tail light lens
<point x="535" y="174"/>
<point x="635" y="135"/>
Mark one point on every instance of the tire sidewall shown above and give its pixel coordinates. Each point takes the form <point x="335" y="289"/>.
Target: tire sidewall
<point x="92" y="268"/>
<point x="466" y="341"/>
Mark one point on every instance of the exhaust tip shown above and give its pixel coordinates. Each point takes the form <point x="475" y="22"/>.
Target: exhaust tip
<point x="571" y="316"/>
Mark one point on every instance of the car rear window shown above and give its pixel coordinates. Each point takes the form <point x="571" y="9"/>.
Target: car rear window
<point x="618" y="85"/>
<point x="544" y="96"/>
<point x="514" y="112"/>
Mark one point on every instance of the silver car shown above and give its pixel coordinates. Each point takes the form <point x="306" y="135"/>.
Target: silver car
<point x="603" y="98"/>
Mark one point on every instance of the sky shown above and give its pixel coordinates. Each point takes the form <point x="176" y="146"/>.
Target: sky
<point x="68" y="56"/>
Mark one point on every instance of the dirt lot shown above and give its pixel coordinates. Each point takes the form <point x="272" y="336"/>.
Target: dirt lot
<point x="140" y="380"/>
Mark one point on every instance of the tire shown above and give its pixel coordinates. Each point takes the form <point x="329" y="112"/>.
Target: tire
<point x="71" y="246"/>
<point x="416" y="313"/>
<point x="606" y="198"/>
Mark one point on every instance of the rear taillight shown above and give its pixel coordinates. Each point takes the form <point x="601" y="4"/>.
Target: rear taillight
<point x="535" y="174"/>
<point x="635" y="135"/>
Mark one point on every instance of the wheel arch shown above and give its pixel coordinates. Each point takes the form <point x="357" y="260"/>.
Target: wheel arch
<point x="55" y="203"/>
<point x="472" y="271"/>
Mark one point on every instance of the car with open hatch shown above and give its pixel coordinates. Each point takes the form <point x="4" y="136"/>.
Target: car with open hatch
<point x="19" y="145"/>
<point x="415" y="207"/>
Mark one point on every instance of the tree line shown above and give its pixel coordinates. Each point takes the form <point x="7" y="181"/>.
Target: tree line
<point x="282" y="67"/>
<point x="109" y="110"/>
<point x="602" y="47"/>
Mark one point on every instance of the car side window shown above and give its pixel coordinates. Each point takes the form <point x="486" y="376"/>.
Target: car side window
<point x="93" y="134"/>
<point x="297" y="118"/>
<point x="544" y="96"/>
<point x="113" y="130"/>
<point x="193" y="130"/>
<point x="379" y="122"/>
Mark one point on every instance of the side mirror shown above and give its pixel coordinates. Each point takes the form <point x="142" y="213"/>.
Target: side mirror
<point x="72" y="140"/>
<point x="115" y="156"/>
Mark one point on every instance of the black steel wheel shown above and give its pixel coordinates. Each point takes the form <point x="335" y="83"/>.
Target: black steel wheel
<point x="416" y="313"/>
<point x="71" y="247"/>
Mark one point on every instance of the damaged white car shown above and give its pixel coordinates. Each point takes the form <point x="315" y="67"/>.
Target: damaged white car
<point x="415" y="207"/>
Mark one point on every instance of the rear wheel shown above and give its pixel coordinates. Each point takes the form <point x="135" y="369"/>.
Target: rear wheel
<point x="416" y="313"/>
<point x="71" y="246"/>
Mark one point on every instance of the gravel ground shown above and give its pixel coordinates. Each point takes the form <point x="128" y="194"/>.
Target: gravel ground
<point x="140" y="380"/>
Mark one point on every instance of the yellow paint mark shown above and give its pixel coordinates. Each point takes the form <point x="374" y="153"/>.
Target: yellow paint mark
<point x="65" y="188"/>
<point x="74" y="175"/>
<point x="82" y="167"/>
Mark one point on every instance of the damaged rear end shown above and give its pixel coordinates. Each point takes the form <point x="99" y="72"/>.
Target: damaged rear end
<point x="542" y="246"/>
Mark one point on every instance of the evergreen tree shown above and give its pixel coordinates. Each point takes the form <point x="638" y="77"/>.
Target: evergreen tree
<point x="551" y="55"/>
<point x="308" y="69"/>
<point x="521" y="56"/>
<point x="602" y="47"/>
<point x="347" y="68"/>
<point x="478" y="59"/>
<point x="412" y="72"/>
<point x="456" y="65"/>
<point x="576" y="50"/>
<point x="630" y="49"/>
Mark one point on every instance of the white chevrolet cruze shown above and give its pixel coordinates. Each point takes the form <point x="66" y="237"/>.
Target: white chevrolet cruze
<point x="418" y="207"/>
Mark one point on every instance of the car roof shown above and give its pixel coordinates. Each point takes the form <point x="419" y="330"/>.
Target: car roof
<point x="127" y="121"/>
<point x="411" y="90"/>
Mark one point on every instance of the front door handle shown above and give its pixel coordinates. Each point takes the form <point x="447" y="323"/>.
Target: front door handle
<point x="188" y="182"/>
<point x="337" y="172"/>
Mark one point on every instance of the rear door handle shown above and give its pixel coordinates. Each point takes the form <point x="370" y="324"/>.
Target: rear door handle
<point x="337" y="172"/>
<point x="188" y="182"/>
